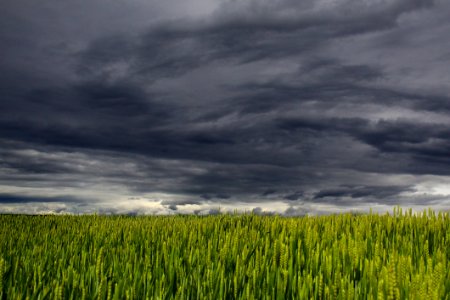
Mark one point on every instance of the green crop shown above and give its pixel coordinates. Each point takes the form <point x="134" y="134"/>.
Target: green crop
<point x="397" y="256"/>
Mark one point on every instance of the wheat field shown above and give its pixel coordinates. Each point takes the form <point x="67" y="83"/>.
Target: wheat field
<point x="396" y="256"/>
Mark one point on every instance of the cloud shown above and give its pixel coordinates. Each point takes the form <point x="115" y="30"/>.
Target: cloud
<point x="295" y="211"/>
<point x="294" y="196"/>
<point x="379" y="192"/>
<point x="174" y="203"/>
<point x="240" y="32"/>
<point x="259" y="211"/>
<point x="15" y="199"/>
<point x="285" y="106"/>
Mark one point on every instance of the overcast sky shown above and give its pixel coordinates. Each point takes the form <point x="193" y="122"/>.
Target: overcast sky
<point x="287" y="106"/>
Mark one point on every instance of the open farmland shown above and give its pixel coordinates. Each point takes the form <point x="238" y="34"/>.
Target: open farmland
<point x="400" y="256"/>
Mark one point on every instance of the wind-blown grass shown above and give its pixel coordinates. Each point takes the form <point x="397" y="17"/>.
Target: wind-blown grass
<point x="400" y="256"/>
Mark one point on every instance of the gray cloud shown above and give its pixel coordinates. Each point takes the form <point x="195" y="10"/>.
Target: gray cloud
<point x="15" y="199"/>
<point x="240" y="32"/>
<point x="379" y="192"/>
<point x="281" y="106"/>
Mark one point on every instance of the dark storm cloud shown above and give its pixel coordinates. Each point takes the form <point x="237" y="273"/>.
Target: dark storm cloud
<point x="294" y="196"/>
<point x="329" y="84"/>
<point x="176" y="47"/>
<point x="254" y="102"/>
<point x="379" y="192"/>
<point x="423" y="143"/>
<point x="15" y="199"/>
<point x="268" y="192"/>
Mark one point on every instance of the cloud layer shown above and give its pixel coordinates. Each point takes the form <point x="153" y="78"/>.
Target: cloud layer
<point x="280" y="106"/>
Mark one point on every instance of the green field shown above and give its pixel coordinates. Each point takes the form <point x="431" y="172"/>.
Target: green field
<point x="397" y="256"/>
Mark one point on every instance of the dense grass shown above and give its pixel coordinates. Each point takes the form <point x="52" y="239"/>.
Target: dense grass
<point x="233" y="257"/>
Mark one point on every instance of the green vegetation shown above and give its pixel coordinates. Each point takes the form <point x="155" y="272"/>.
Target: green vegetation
<point x="400" y="256"/>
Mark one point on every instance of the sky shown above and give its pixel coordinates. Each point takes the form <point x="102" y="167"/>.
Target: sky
<point x="204" y="106"/>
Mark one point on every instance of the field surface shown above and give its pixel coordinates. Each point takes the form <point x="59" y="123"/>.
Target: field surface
<point x="399" y="256"/>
